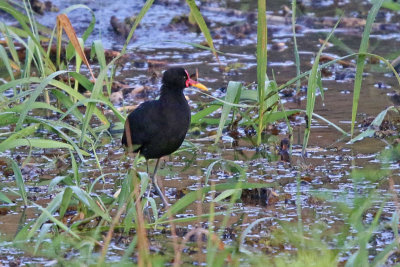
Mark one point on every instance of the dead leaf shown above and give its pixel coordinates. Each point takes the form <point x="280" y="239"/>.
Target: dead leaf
<point x="63" y="22"/>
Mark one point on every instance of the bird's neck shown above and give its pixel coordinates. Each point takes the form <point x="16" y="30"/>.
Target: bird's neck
<point x="171" y="93"/>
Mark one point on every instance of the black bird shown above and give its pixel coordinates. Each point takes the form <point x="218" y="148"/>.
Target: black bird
<point x="157" y="128"/>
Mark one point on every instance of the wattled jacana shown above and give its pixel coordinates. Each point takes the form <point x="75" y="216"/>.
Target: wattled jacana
<point x="157" y="128"/>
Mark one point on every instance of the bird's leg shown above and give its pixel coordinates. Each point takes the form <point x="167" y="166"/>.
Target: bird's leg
<point x="151" y="184"/>
<point x="153" y="178"/>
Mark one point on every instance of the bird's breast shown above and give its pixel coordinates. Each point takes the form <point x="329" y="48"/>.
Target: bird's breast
<point x="178" y="115"/>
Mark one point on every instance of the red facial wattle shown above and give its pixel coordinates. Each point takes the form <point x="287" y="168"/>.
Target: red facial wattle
<point x="190" y="82"/>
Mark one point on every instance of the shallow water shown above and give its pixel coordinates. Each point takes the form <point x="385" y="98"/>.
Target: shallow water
<point x="329" y="160"/>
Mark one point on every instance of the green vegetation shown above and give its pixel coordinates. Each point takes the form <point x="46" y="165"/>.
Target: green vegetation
<point x="45" y="112"/>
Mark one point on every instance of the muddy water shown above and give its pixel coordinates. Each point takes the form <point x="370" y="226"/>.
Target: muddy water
<point x="329" y="160"/>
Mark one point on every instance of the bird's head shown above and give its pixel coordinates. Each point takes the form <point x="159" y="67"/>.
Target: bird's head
<point x="179" y="78"/>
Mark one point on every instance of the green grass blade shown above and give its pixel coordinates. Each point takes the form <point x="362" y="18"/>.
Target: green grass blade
<point x="70" y="91"/>
<point x="38" y="50"/>
<point x="139" y="17"/>
<point x="250" y="95"/>
<point x="29" y="57"/>
<point x="330" y="123"/>
<point x="51" y="208"/>
<point x="96" y="94"/>
<point x="15" y="99"/>
<point x="56" y="180"/>
<point x="279" y="115"/>
<point x="394" y="223"/>
<point x="19" y="181"/>
<point x="34" y="96"/>
<point x="200" y="115"/>
<point x="20" y="236"/>
<point x="18" y="31"/>
<point x="388" y="64"/>
<point x="6" y="61"/>
<point x="16" y="135"/>
<point x="153" y="206"/>
<point x="56" y="221"/>
<point x="319" y="85"/>
<point x="374" y="126"/>
<point x="78" y="63"/>
<point x="88" y="201"/>
<point x="8" y="118"/>
<point x="202" y="25"/>
<point x="10" y="43"/>
<point x="361" y="60"/>
<point x="75" y="169"/>
<point x="223" y="101"/>
<point x="262" y="39"/>
<point x="193" y="196"/>
<point x="67" y="102"/>
<point x="390" y="4"/>
<point x="381" y="258"/>
<point x="339" y="44"/>
<point x="94" y="183"/>
<point x="225" y="194"/>
<point x="232" y="93"/>
<point x="22" y="19"/>
<point x="57" y="126"/>
<point x="30" y="20"/>
<point x="100" y="54"/>
<point x="195" y="45"/>
<point x="41" y="237"/>
<point x="209" y="170"/>
<point x="86" y="101"/>
<point x="37" y="143"/>
<point x="192" y="219"/>
<point x="271" y="99"/>
<point x="246" y="232"/>
<point x="36" y="105"/>
<point x="5" y="199"/>
<point x="67" y="195"/>
<point x="296" y="50"/>
<point x="295" y="79"/>
<point x="311" y="90"/>
<point x="85" y="82"/>
<point x="22" y="81"/>
<point x="305" y="74"/>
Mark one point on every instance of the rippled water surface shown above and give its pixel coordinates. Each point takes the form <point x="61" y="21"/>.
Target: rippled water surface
<point x="158" y="43"/>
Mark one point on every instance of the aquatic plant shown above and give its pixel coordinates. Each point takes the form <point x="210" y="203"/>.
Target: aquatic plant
<point x="79" y="225"/>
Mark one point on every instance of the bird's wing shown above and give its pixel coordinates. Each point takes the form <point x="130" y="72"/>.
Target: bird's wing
<point x="143" y="123"/>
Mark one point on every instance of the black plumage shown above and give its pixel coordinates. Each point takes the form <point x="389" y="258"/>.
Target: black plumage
<point x="157" y="128"/>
